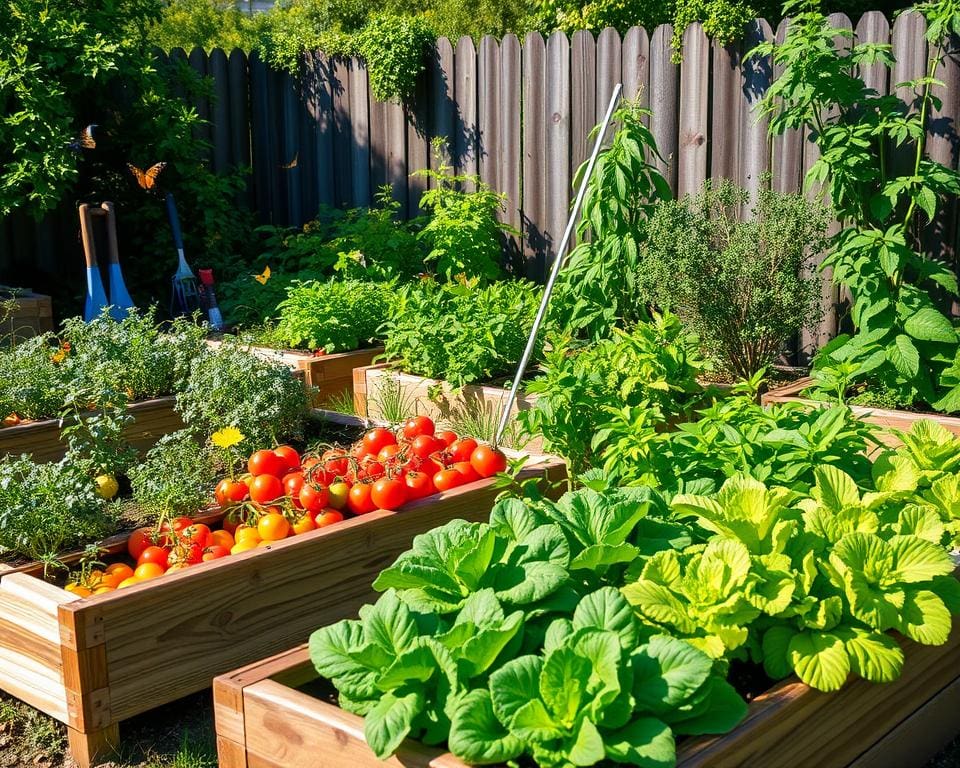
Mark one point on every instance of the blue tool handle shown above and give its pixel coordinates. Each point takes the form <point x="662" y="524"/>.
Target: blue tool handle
<point x="174" y="222"/>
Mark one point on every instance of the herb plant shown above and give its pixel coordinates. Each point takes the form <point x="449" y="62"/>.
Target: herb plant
<point x="740" y="281"/>
<point x="460" y="332"/>
<point x="47" y="508"/>
<point x="336" y="316"/>
<point x="902" y="342"/>
<point x="175" y="476"/>
<point x="232" y="388"/>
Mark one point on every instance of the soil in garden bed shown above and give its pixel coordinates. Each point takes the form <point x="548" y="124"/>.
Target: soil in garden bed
<point x="255" y="342"/>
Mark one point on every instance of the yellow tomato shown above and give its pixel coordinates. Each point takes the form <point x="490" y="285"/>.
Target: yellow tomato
<point x="76" y="589"/>
<point x="304" y="525"/>
<point x="103" y="588"/>
<point x="147" y="571"/>
<point x="244" y="545"/>
<point x="247" y="535"/>
<point x="122" y="570"/>
<point x="128" y="582"/>
<point x="273" y="526"/>
<point x="106" y="486"/>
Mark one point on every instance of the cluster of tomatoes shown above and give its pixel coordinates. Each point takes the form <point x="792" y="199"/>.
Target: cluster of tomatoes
<point x="284" y="495"/>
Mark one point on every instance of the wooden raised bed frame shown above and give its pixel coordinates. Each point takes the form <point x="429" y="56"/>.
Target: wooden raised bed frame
<point x="93" y="662"/>
<point x="263" y="721"/>
<point x="152" y="420"/>
<point x="432" y="397"/>
<point x="32" y="316"/>
<point x="882" y="417"/>
<point x="325" y="376"/>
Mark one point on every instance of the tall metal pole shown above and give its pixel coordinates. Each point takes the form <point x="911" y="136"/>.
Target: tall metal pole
<point x="557" y="265"/>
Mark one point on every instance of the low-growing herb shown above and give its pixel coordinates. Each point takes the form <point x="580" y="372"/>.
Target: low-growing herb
<point x="175" y="476"/>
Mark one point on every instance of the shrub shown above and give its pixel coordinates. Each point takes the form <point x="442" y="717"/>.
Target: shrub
<point x="460" y="332"/>
<point x="203" y="24"/>
<point x="337" y="316"/>
<point x="174" y="477"/>
<point x="396" y="49"/>
<point x="31" y="382"/>
<point x="742" y="283"/>
<point x="232" y="388"/>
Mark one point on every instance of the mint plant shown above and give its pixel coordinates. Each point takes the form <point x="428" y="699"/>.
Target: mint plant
<point x="903" y="344"/>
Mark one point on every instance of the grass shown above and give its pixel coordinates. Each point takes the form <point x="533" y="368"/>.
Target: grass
<point x="341" y="402"/>
<point x="391" y="401"/>
<point x="481" y="421"/>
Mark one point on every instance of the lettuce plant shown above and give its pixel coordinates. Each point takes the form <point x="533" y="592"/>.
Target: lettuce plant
<point x="489" y="638"/>
<point x="804" y="584"/>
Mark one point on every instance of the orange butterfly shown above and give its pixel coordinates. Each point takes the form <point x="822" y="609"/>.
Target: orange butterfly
<point x="85" y="140"/>
<point x="146" y="179"/>
<point x="263" y="276"/>
<point x="292" y="163"/>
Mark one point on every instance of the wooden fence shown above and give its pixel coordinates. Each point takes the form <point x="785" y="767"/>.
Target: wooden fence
<point x="518" y="115"/>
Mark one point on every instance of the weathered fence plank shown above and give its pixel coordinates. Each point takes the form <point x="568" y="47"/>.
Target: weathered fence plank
<point x="583" y="94"/>
<point x="608" y="71"/>
<point x="444" y="117"/>
<point x="694" y="119"/>
<point x="534" y="154"/>
<point x="488" y="111"/>
<point x="665" y="102"/>
<point x="635" y="66"/>
<point x="510" y="130"/>
<point x="218" y="69"/>
<point x="754" y="141"/>
<point x="557" y="130"/>
<point x="465" y="150"/>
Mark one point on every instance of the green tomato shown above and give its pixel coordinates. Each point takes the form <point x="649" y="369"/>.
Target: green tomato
<point x="106" y="486"/>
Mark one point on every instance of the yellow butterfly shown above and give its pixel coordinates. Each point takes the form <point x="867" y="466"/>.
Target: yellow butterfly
<point x="263" y="276"/>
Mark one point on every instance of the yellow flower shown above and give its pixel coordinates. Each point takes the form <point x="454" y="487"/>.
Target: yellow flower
<point x="227" y="437"/>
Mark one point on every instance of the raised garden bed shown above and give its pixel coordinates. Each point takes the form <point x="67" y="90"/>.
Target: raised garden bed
<point x="882" y="417"/>
<point x="32" y="316"/>
<point x="41" y="439"/>
<point x="93" y="662"/>
<point x="325" y="376"/>
<point x="374" y="385"/>
<point x="264" y="721"/>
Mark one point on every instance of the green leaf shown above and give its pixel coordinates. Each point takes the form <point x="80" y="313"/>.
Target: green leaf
<point x="513" y="684"/>
<point x="563" y="683"/>
<point x="874" y="656"/>
<point x="904" y="356"/>
<point x="927" y="324"/>
<point x="646" y="742"/>
<point x="532" y="722"/>
<point x="389" y="722"/>
<point x="916" y="559"/>
<point x="607" y="609"/>
<point x="834" y="488"/>
<point x="721" y="711"/>
<point x="925" y="618"/>
<point x="776" y="657"/>
<point x="820" y="660"/>
<point x="388" y="623"/>
<point x="587" y="748"/>
<point x="477" y="736"/>
<point x="667" y="671"/>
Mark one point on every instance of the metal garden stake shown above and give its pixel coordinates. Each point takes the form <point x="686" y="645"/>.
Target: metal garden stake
<point x="557" y="264"/>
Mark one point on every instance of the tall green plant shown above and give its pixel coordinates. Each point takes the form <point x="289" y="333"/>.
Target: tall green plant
<point x="903" y="342"/>
<point x="599" y="285"/>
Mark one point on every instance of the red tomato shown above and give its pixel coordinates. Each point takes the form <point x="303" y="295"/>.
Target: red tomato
<point x="463" y="449"/>
<point x="267" y="463"/>
<point x="359" y="501"/>
<point x="139" y="540"/>
<point x="419" y="484"/>
<point x="423" y="445"/>
<point x="214" y="552"/>
<point x="328" y="517"/>
<point x="429" y="466"/>
<point x="231" y="491"/>
<point x="466" y="470"/>
<point x="289" y="456"/>
<point x="265" y="488"/>
<point x="313" y="498"/>
<point x="196" y="533"/>
<point x="156" y="555"/>
<point x="388" y="452"/>
<point x="292" y="484"/>
<point x="370" y="470"/>
<point x="418" y="425"/>
<point x="377" y="438"/>
<point x="446" y="479"/>
<point x="388" y="493"/>
<point x="488" y="461"/>
<point x="335" y="461"/>
<point x="447" y="436"/>
<point x="185" y="554"/>
<point x="178" y="524"/>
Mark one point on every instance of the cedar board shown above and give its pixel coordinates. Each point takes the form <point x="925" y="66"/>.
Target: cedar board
<point x="88" y="661"/>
